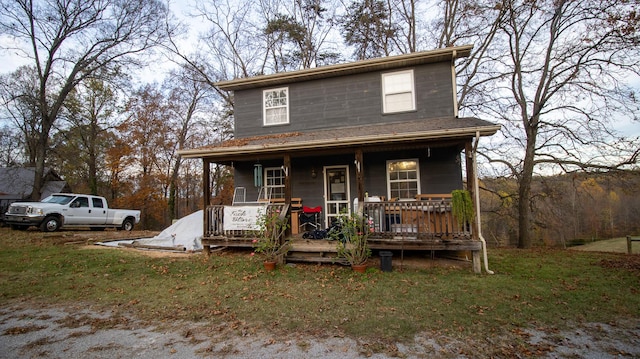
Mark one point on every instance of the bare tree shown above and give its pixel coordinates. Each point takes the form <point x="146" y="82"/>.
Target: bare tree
<point x="405" y="15"/>
<point x="297" y="38"/>
<point x="559" y="89"/>
<point x="368" y="27"/>
<point x="189" y="102"/>
<point x="464" y="22"/>
<point x="20" y="102"/>
<point x="70" y="41"/>
<point x="90" y="112"/>
<point x="9" y="141"/>
<point x="229" y="46"/>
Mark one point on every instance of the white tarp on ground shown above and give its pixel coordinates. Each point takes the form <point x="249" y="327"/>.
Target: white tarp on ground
<point x="185" y="232"/>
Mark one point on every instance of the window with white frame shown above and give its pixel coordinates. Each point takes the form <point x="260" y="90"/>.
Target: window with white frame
<point x="398" y="93"/>
<point x="276" y="106"/>
<point x="403" y="179"/>
<point x="274" y="181"/>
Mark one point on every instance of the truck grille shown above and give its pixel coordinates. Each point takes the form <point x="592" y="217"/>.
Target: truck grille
<point x="17" y="210"/>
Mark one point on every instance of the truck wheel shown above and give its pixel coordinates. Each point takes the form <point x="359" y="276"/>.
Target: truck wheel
<point x="127" y="224"/>
<point x="50" y="224"/>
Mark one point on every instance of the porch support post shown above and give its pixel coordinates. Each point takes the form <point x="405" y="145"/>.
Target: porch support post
<point x="287" y="179"/>
<point x="287" y="188"/>
<point x="359" y="179"/>
<point x="206" y="197"/>
<point x="471" y="185"/>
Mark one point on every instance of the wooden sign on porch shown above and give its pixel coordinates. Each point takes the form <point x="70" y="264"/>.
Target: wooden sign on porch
<point x="242" y="218"/>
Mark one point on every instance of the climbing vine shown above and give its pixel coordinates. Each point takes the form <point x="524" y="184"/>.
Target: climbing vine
<point x="462" y="206"/>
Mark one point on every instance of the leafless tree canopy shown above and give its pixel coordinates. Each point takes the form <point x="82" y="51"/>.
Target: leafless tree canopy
<point x="558" y="75"/>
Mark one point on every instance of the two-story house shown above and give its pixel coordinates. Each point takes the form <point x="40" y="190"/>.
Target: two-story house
<point x="381" y="134"/>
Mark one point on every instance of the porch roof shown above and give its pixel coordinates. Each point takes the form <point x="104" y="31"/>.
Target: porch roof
<point x="376" y="134"/>
<point x="376" y="64"/>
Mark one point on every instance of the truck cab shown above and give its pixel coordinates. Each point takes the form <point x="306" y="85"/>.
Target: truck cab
<point x="70" y="210"/>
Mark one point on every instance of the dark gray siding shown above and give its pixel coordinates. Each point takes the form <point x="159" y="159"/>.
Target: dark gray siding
<point x="346" y="101"/>
<point x="440" y="172"/>
<point x="243" y="177"/>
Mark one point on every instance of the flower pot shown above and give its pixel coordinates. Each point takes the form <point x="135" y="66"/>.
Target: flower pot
<point x="269" y="266"/>
<point x="360" y="268"/>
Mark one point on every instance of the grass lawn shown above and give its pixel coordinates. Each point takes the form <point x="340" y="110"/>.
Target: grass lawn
<point x="540" y="288"/>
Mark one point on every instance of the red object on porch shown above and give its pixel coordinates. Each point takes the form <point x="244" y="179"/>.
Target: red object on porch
<point x="306" y="209"/>
<point x="309" y="216"/>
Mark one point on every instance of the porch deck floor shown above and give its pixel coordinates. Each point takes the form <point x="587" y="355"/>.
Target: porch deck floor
<point x="324" y="251"/>
<point x="327" y="246"/>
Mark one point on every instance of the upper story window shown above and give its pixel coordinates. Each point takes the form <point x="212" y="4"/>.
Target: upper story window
<point x="398" y="93"/>
<point x="276" y="106"/>
<point x="403" y="179"/>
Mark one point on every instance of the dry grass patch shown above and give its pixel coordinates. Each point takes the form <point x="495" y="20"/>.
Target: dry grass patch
<point x="23" y="329"/>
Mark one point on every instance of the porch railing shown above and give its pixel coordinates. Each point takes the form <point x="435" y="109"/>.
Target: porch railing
<point x="415" y="220"/>
<point x="420" y="220"/>
<point x="214" y="222"/>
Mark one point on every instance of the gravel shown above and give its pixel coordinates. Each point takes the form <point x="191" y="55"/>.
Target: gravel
<point x="80" y="332"/>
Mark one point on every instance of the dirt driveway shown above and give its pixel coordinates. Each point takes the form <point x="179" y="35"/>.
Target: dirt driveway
<point x="30" y="331"/>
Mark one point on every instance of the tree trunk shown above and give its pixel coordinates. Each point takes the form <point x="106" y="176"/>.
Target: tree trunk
<point x="173" y="188"/>
<point x="93" y="178"/>
<point x="39" y="174"/>
<point x="524" y="213"/>
<point x="92" y="147"/>
<point x="41" y="153"/>
<point x="524" y="190"/>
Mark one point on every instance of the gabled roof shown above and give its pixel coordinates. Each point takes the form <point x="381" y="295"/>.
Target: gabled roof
<point x="51" y="187"/>
<point x="17" y="182"/>
<point x="378" y="134"/>
<point x="377" y="64"/>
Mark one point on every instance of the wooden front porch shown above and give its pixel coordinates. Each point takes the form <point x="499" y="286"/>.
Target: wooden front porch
<point x="420" y="225"/>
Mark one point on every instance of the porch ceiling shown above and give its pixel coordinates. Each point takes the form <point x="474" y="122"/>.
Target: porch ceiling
<point x="378" y="134"/>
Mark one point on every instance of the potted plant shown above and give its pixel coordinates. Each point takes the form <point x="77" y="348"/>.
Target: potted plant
<point x="351" y="233"/>
<point x="270" y="241"/>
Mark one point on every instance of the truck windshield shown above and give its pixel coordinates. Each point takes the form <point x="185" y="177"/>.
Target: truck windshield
<point x="59" y="199"/>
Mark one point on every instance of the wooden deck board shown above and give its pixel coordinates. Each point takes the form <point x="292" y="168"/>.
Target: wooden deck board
<point x="326" y="246"/>
<point x="436" y="245"/>
<point x="318" y="245"/>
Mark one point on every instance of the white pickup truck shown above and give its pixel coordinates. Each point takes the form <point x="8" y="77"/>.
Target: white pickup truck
<point x="69" y="210"/>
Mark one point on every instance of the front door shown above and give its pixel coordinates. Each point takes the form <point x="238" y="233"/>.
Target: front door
<point x="336" y="192"/>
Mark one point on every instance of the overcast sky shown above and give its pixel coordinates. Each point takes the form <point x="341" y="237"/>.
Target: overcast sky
<point x="10" y="60"/>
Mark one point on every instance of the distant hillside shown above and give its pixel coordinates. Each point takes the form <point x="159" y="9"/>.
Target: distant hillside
<point x="567" y="209"/>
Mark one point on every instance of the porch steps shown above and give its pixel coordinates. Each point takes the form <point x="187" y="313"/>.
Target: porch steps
<point x="313" y="258"/>
<point x="313" y="251"/>
<point x="313" y="245"/>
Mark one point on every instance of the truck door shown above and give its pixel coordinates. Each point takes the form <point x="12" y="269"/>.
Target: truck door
<point x="78" y="211"/>
<point x="99" y="211"/>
